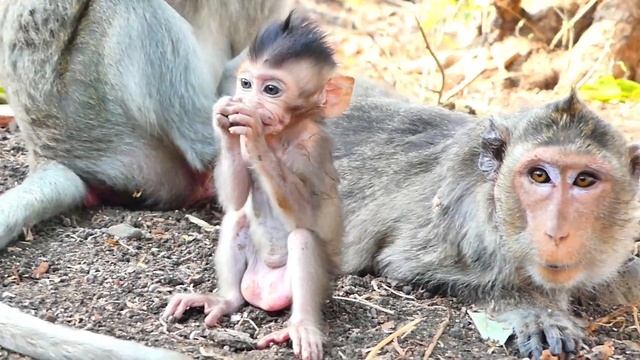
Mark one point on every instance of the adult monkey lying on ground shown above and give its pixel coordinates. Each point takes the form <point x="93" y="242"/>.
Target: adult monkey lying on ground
<point x="520" y="211"/>
<point x="111" y="96"/>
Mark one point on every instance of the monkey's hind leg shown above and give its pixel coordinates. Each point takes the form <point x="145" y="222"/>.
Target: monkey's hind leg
<point x="307" y="269"/>
<point x="231" y="263"/>
<point x="51" y="188"/>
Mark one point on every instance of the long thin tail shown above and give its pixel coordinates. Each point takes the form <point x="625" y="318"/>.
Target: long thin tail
<point x="28" y="335"/>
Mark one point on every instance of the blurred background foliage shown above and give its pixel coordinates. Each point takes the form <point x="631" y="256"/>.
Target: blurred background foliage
<point x="496" y="55"/>
<point x="493" y="53"/>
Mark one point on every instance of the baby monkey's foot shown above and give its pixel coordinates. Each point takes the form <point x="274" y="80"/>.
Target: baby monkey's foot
<point x="214" y="306"/>
<point x="306" y="340"/>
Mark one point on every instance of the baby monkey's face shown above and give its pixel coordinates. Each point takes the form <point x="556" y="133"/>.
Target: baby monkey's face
<point x="281" y="94"/>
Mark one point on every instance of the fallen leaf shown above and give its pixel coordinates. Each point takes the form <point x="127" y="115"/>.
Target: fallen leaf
<point x="602" y="352"/>
<point x="112" y="242"/>
<point x="40" y="270"/>
<point x="490" y="329"/>
<point x="203" y="224"/>
<point x="388" y="326"/>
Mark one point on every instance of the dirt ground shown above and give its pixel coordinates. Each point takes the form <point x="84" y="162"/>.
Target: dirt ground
<point x="120" y="287"/>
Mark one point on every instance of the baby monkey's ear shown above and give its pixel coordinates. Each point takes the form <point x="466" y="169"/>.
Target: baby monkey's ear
<point x="337" y="95"/>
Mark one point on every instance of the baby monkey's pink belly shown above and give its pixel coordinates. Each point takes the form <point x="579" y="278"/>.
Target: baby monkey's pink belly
<point x="265" y="287"/>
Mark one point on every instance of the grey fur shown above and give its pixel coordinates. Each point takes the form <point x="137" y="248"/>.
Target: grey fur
<point x="117" y="91"/>
<point x="242" y="20"/>
<point x="420" y="208"/>
<point x="47" y="341"/>
<point x="49" y="183"/>
<point x="113" y="94"/>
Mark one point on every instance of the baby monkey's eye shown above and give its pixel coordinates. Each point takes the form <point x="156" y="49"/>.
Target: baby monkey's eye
<point x="245" y="83"/>
<point x="539" y="175"/>
<point x="271" y="90"/>
<point x="585" y="180"/>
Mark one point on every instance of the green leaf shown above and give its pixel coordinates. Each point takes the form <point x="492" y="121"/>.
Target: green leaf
<point x="608" y="88"/>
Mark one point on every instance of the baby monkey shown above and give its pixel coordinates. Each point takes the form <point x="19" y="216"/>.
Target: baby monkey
<point x="282" y="230"/>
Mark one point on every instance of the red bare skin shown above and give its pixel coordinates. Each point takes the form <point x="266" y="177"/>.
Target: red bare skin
<point x="561" y="193"/>
<point x="200" y="190"/>
<point x="275" y="250"/>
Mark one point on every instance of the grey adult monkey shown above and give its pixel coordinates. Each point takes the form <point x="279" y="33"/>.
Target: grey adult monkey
<point x="523" y="211"/>
<point x="111" y="96"/>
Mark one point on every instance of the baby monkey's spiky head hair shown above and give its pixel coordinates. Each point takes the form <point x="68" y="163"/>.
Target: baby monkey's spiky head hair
<point x="295" y="38"/>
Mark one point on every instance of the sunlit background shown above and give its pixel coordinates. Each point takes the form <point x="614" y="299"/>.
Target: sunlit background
<point x="489" y="63"/>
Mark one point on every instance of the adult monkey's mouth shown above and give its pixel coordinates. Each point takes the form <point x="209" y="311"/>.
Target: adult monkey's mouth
<point x="559" y="273"/>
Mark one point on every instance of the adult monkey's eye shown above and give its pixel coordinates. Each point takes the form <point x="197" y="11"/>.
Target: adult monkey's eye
<point x="539" y="175"/>
<point x="585" y="180"/>
<point x="245" y="83"/>
<point x="271" y="90"/>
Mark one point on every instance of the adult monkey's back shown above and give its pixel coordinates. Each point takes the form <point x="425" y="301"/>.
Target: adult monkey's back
<point x="112" y="96"/>
<point x="523" y="211"/>
<point x="113" y="99"/>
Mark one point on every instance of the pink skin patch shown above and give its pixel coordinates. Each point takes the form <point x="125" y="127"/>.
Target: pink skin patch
<point x="265" y="287"/>
<point x="203" y="189"/>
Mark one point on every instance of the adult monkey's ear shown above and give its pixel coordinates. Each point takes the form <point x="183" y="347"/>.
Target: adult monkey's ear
<point x="492" y="150"/>
<point x="337" y="95"/>
<point x="634" y="160"/>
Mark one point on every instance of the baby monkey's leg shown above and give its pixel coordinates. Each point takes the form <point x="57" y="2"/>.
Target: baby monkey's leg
<point x="307" y="267"/>
<point x="231" y="263"/>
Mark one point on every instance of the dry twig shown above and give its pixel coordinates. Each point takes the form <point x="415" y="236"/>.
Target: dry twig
<point x="568" y="25"/>
<point x="375" y="285"/>
<point x="433" y="55"/>
<point x="537" y="32"/>
<point x="468" y="80"/>
<point x="635" y="317"/>
<point x="365" y="302"/>
<point x="398" y="333"/>
<point x="608" y="320"/>
<point x="437" y="336"/>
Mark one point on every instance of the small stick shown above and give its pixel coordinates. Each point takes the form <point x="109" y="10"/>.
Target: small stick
<point x="365" y="302"/>
<point x="375" y="284"/>
<point x="566" y="25"/>
<point x="426" y="42"/>
<point x="250" y="322"/>
<point x="635" y="317"/>
<point x="437" y="335"/>
<point x="400" y="332"/>
<point x="529" y="23"/>
<point x="466" y="82"/>
<point x="398" y="348"/>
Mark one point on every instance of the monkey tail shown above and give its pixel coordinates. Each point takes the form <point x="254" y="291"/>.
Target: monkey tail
<point x="28" y="335"/>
